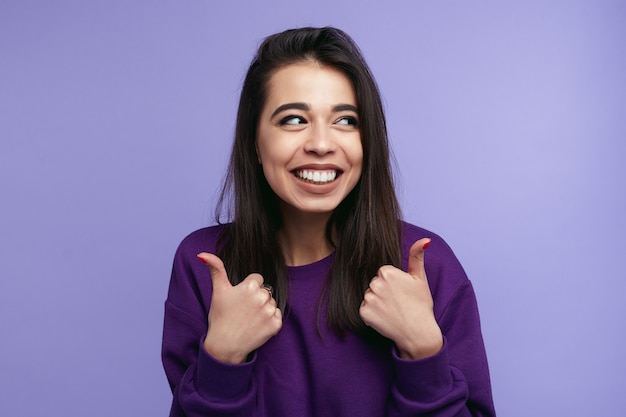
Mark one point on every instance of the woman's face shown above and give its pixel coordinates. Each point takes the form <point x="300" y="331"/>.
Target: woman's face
<point x="308" y="139"/>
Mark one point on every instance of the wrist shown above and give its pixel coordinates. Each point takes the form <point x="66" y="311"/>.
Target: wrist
<point x="424" y="348"/>
<point x="223" y="355"/>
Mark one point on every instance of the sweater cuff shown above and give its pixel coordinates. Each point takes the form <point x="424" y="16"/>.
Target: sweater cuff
<point x="424" y="380"/>
<point x="220" y="381"/>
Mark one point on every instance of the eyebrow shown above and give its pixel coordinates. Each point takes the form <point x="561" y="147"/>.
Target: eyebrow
<point x="306" y="107"/>
<point x="289" y="106"/>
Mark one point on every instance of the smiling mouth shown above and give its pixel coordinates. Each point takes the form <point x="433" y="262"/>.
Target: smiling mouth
<point x="317" y="177"/>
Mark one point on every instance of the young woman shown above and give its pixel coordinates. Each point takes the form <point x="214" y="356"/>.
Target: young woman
<point x="316" y="299"/>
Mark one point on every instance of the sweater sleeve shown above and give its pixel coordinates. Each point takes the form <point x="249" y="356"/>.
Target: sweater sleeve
<point x="200" y="384"/>
<point x="454" y="382"/>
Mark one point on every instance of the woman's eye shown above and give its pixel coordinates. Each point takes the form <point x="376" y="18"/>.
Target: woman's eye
<point x="292" y="121"/>
<point x="348" y="121"/>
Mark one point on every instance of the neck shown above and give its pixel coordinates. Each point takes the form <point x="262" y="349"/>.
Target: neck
<point x="302" y="238"/>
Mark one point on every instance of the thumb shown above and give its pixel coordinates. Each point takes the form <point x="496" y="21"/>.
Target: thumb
<point x="416" y="257"/>
<point x="218" y="271"/>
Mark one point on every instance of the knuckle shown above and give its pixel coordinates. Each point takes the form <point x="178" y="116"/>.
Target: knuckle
<point x="269" y="309"/>
<point x="251" y="284"/>
<point x="365" y="316"/>
<point x="375" y="285"/>
<point x="382" y="269"/>
<point x="386" y="271"/>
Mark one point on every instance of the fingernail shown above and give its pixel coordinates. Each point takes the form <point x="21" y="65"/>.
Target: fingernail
<point x="201" y="259"/>
<point x="427" y="244"/>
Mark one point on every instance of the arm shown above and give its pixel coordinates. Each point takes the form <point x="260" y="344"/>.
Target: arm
<point x="440" y="364"/>
<point x="455" y="381"/>
<point x="200" y="384"/>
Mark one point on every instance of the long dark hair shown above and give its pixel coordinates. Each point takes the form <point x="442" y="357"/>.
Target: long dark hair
<point x="366" y="223"/>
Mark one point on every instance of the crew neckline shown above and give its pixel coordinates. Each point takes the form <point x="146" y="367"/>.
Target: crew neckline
<point x="313" y="265"/>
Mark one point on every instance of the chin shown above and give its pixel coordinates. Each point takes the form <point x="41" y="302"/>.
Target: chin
<point x="326" y="208"/>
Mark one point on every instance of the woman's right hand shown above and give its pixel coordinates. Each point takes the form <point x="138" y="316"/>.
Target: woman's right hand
<point x="241" y="317"/>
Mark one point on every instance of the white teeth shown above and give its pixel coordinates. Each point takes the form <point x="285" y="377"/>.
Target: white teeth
<point x="319" y="177"/>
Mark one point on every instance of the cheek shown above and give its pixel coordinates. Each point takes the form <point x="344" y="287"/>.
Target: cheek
<point x="264" y="153"/>
<point x="359" y="155"/>
<point x="273" y="163"/>
<point x="267" y="156"/>
<point x="263" y="137"/>
<point x="356" y="154"/>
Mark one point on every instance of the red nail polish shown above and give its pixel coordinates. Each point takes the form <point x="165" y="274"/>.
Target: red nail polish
<point x="427" y="244"/>
<point x="201" y="259"/>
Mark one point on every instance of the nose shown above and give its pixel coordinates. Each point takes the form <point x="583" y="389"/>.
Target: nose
<point x="320" y="140"/>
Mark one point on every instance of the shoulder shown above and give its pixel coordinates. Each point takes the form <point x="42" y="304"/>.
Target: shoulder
<point x="439" y="250"/>
<point x="201" y="240"/>
<point x="190" y="283"/>
<point x="446" y="276"/>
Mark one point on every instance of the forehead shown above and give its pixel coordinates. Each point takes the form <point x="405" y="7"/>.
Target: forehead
<point x="310" y="82"/>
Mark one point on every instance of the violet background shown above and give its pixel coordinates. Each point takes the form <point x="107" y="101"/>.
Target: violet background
<point x="507" y="120"/>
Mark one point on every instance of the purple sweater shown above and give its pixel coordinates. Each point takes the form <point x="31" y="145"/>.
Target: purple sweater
<point x="301" y="372"/>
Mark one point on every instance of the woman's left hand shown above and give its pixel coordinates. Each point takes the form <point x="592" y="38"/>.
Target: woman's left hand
<point x="399" y="306"/>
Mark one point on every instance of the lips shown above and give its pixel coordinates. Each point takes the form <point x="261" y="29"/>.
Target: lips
<point x="316" y="176"/>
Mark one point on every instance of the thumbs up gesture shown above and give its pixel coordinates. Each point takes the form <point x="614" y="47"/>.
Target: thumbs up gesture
<point x="241" y="317"/>
<point x="399" y="306"/>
